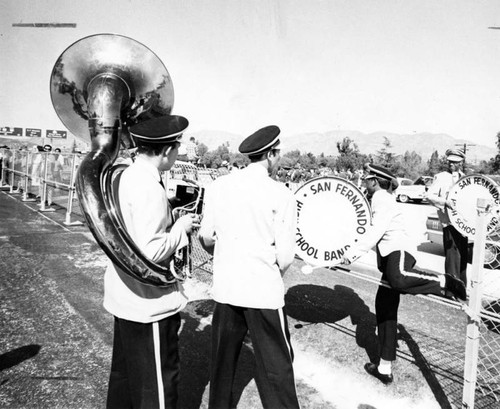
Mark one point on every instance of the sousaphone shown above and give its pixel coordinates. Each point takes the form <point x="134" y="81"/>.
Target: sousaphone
<point x="100" y="86"/>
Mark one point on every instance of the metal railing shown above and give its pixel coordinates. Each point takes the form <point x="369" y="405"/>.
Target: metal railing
<point x="47" y="177"/>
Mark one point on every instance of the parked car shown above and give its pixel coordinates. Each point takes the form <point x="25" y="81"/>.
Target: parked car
<point x="409" y="190"/>
<point x="492" y="250"/>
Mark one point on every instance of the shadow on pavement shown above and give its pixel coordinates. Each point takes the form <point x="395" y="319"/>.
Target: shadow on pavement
<point x="322" y="305"/>
<point x="424" y="366"/>
<point x="18" y="355"/>
<point x="194" y="345"/>
<point x="492" y="307"/>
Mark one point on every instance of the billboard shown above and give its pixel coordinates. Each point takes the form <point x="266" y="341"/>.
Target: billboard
<point x="9" y="131"/>
<point x="51" y="133"/>
<point x="34" y="132"/>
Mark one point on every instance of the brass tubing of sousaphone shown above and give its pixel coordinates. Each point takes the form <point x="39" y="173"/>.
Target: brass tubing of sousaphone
<point x="100" y="81"/>
<point x="94" y="186"/>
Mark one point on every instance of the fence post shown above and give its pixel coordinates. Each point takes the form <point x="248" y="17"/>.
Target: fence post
<point x="12" y="174"/>
<point x="69" y="207"/>
<point x="472" y="341"/>
<point x="43" y="181"/>
<point x="26" y="197"/>
<point x="4" y="184"/>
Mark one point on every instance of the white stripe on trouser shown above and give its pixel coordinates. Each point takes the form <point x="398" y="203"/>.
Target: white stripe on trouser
<point x="159" y="378"/>
<point x="412" y="273"/>
<point x="282" y="324"/>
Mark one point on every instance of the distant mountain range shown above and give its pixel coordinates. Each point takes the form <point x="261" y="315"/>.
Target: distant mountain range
<point x="422" y="143"/>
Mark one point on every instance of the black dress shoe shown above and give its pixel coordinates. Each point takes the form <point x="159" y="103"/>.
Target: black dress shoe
<point x="372" y="369"/>
<point x="448" y="294"/>
<point x="456" y="287"/>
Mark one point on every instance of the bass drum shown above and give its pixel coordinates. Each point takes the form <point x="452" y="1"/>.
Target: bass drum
<point x="465" y="195"/>
<point x="332" y="215"/>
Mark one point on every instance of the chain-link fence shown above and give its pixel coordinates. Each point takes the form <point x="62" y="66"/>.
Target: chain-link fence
<point x="482" y="352"/>
<point x="487" y="392"/>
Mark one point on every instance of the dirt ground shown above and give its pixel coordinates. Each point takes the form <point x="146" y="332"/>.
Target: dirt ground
<point x="55" y="339"/>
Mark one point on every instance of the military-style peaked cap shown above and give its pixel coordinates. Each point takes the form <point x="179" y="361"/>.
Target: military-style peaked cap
<point x="261" y="141"/>
<point x="380" y="172"/>
<point x="164" y="129"/>
<point x="455" y="155"/>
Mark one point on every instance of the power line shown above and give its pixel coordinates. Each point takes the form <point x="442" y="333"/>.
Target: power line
<point x="45" y="25"/>
<point x="465" y="145"/>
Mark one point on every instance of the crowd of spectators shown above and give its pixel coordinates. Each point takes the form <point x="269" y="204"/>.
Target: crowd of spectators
<point x="39" y="162"/>
<point x="300" y="175"/>
<point x="189" y="152"/>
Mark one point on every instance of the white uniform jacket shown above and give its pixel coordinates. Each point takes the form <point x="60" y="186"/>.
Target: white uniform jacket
<point x="148" y="219"/>
<point x="252" y="220"/>
<point x="388" y="229"/>
<point x="438" y="193"/>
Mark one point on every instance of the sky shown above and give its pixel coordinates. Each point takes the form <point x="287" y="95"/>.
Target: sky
<point x="307" y="66"/>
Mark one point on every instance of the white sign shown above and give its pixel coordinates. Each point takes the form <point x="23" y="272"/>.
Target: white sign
<point x="464" y="195"/>
<point x="332" y="215"/>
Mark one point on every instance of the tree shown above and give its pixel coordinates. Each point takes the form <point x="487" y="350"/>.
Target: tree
<point x="290" y="159"/>
<point x="239" y="159"/>
<point x="349" y="158"/>
<point x="331" y="162"/>
<point x="209" y="159"/>
<point x="321" y="160"/>
<point x="486" y="167"/>
<point x="495" y="162"/>
<point x="287" y="162"/>
<point x="433" y="164"/>
<point x="384" y="156"/>
<point x="201" y="149"/>
<point x="308" y="161"/>
<point x="409" y="165"/>
<point x="347" y="147"/>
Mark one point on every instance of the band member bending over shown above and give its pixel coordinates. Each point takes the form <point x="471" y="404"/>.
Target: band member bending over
<point x="145" y="362"/>
<point x="396" y="263"/>
<point x="249" y="225"/>
<point x="455" y="245"/>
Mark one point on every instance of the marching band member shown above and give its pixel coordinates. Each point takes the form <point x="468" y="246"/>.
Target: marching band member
<point x="396" y="263"/>
<point x="145" y="362"/>
<point x="249" y="225"/>
<point x="455" y="245"/>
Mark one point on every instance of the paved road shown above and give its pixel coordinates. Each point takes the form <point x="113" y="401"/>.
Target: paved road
<point x="55" y="340"/>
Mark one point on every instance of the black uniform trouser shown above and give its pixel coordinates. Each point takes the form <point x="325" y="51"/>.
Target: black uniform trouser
<point x="398" y="270"/>
<point x="273" y="355"/>
<point x="455" y="253"/>
<point x="145" y="364"/>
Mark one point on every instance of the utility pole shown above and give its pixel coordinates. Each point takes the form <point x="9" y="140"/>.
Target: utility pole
<point x="465" y="145"/>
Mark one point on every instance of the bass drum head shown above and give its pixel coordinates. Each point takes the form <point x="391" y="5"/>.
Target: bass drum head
<point x="332" y="215"/>
<point x="465" y="194"/>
